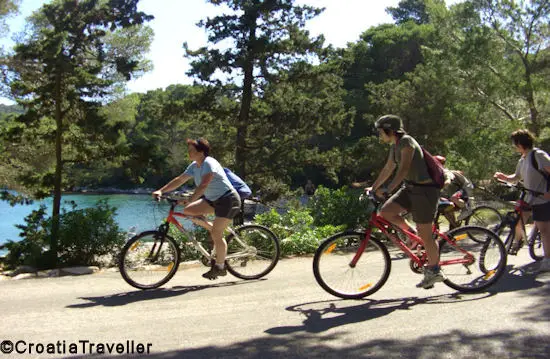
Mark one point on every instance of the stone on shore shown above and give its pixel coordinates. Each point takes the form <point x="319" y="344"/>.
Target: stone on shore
<point x="79" y="270"/>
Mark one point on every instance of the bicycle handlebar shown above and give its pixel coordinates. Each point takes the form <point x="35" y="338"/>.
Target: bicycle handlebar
<point x="520" y="186"/>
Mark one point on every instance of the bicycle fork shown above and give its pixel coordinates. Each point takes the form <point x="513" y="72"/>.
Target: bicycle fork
<point x="361" y="248"/>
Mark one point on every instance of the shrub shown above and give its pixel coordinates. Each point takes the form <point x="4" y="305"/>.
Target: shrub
<point x="84" y="236"/>
<point x="32" y="249"/>
<point x="295" y="230"/>
<point x="341" y="207"/>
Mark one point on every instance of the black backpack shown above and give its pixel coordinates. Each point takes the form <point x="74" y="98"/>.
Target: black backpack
<point x="541" y="171"/>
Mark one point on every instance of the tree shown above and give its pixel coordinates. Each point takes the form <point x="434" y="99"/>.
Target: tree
<point x="74" y="56"/>
<point x="268" y="38"/>
<point x="7" y="8"/>
<point x="501" y="49"/>
<point x="411" y="10"/>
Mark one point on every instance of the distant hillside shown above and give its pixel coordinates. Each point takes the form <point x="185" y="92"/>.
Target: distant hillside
<point x="7" y="109"/>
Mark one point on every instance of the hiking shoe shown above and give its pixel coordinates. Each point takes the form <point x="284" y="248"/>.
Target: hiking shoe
<point x="544" y="265"/>
<point x="431" y="276"/>
<point x="214" y="273"/>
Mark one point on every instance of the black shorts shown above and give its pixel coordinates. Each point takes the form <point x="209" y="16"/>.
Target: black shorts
<point x="541" y="212"/>
<point x="227" y="206"/>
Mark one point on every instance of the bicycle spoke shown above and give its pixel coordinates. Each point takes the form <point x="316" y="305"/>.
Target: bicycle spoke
<point x="473" y="259"/>
<point x="148" y="260"/>
<point x="333" y="269"/>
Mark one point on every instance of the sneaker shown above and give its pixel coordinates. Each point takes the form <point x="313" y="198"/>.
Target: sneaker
<point x="215" y="272"/>
<point x="431" y="276"/>
<point x="544" y="265"/>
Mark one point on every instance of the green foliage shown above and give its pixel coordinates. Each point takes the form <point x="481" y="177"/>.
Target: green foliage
<point x="295" y="230"/>
<point x="341" y="207"/>
<point x="85" y="236"/>
<point x="32" y="249"/>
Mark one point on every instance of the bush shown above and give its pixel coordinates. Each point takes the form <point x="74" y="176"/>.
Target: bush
<point x="89" y="233"/>
<point x="295" y="230"/>
<point x="32" y="249"/>
<point x="84" y="236"/>
<point x="340" y="207"/>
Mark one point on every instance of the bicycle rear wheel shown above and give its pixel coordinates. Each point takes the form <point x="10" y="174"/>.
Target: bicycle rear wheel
<point x="254" y="253"/>
<point x="536" y="250"/>
<point x="473" y="259"/>
<point x="149" y="260"/>
<point x="334" y="272"/>
<point x="484" y="216"/>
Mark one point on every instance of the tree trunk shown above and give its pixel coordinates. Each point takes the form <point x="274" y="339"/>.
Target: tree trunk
<point x="244" y="114"/>
<point x="530" y="98"/>
<point x="58" y="172"/>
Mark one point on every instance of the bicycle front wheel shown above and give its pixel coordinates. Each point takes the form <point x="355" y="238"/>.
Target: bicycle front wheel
<point x="536" y="249"/>
<point x="484" y="216"/>
<point x="335" y="273"/>
<point x="253" y="253"/>
<point x="473" y="258"/>
<point x="149" y="260"/>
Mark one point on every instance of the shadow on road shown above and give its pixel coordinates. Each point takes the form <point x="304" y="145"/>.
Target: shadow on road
<point x="446" y="344"/>
<point x="125" y="298"/>
<point x="335" y="315"/>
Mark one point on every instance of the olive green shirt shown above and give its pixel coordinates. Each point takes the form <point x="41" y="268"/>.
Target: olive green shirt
<point x="418" y="172"/>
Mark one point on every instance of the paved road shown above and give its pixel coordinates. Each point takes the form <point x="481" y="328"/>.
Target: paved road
<point x="285" y="315"/>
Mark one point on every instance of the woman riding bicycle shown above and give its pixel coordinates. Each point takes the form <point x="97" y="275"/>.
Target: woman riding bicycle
<point x="454" y="196"/>
<point x="213" y="194"/>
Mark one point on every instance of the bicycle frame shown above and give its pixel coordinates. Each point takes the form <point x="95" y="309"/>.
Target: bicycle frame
<point x="384" y="226"/>
<point x="171" y="219"/>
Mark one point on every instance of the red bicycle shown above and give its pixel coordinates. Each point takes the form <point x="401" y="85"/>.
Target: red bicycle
<point x="356" y="263"/>
<point x="150" y="259"/>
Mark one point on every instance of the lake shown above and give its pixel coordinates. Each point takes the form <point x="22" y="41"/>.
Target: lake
<point x="132" y="210"/>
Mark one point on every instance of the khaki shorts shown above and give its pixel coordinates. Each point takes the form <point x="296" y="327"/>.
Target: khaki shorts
<point x="420" y="201"/>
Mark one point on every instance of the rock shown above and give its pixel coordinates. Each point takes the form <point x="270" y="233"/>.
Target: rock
<point x="111" y="270"/>
<point x="53" y="273"/>
<point x="24" y="276"/>
<point x="190" y="264"/>
<point x="21" y="269"/>
<point x="79" y="270"/>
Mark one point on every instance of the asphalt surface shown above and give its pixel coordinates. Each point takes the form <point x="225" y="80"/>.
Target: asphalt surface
<point x="286" y="315"/>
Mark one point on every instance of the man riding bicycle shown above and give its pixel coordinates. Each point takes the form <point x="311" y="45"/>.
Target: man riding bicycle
<point x="533" y="168"/>
<point x="454" y="196"/>
<point x="419" y="194"/>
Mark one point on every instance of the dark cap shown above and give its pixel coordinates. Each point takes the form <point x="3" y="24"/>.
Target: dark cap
<point x="390" y="122"/>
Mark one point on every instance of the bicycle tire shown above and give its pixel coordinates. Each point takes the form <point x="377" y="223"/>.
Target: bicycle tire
<point x="473" y="260"/>
<point x="134" y="252"/>
<point x="536" y="248"/>
<point x="262" y="249"/>
<point x="338" y="251"/>
<point x="484" y="216"/>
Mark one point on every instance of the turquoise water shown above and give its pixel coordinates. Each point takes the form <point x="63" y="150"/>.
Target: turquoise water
<point x="132" y="210"/>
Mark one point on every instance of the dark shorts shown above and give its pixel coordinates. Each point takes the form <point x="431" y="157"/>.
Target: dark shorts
<point x="541" y="212"/>
<point x="227" y="206"/>
<point x="420" y="201"/>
